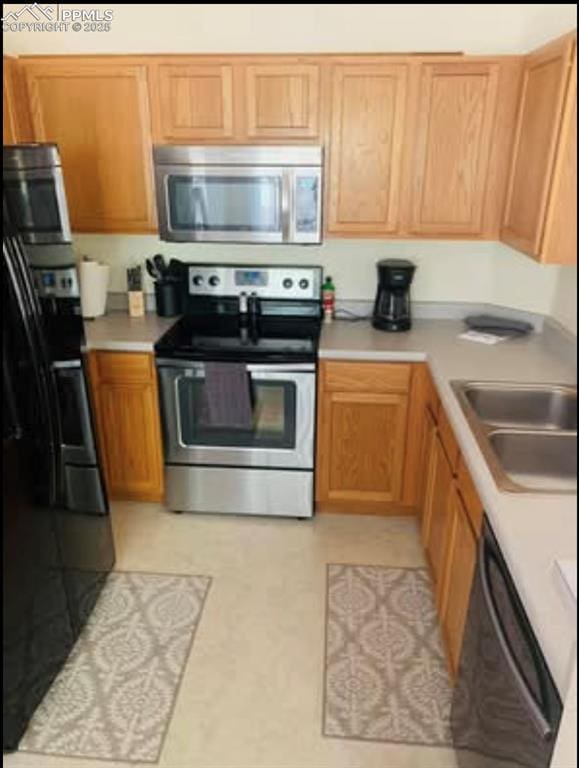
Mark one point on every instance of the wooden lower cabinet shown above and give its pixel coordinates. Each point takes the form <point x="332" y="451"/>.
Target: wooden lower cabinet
<point x="381" y="432"/>
<point x="451" y="522"/>
<point x="460" y="562"/>
<point x="436" y="517"/>
<point x="126" y="404"/>
<point x="362" y="435"/>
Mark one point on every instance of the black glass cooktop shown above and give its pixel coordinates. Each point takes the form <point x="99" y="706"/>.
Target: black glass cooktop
<point x="229" y="338"/>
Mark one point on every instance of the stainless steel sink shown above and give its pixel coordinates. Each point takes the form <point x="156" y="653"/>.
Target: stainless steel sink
<point x="526" y="432"/>
<point x="538" y="461"/>
<point x="519" y="406"/>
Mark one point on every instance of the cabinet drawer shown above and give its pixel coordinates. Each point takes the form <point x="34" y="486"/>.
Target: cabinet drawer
<point x="366" y="377"/>
<point x="124" y="366"/>
<point x="448" y="440"/>
<point x="470" y="497"/>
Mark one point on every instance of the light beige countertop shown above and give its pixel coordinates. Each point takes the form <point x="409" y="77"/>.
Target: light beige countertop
<point x="117" y="332"/>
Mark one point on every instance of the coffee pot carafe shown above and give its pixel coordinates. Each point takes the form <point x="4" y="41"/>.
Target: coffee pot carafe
<point x="392" y="304"/>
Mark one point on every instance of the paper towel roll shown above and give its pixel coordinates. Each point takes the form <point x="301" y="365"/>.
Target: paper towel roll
<point x="94" y="283"/>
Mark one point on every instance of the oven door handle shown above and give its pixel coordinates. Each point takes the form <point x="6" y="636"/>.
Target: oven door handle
<point x="251" y="368"/>
<point x="538" y="719"/>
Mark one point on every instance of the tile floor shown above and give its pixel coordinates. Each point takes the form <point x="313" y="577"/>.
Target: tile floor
<point x="251" y="696"/>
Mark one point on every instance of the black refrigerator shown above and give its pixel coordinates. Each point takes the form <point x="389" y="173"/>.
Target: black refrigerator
<point x="58" y="544"/>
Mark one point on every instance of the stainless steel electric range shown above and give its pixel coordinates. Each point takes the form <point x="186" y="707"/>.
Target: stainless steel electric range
<point x="267" y="320"/>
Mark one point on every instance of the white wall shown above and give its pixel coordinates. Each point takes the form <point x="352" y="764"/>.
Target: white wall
<point x="226" y="28"/>
<point x="447" y="271"/>
<point x="564" y="304"/>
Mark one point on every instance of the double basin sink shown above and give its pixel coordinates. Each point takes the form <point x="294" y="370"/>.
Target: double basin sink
<point x="526" y="432"/>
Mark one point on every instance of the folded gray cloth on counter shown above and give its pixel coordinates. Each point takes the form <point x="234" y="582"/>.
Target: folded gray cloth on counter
<point x="227" y="396"/>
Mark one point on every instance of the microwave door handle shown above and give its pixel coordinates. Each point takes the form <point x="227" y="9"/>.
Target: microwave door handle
<point x="201" y="206"/>
<point x="60" y="193"/>
<point x="286" y="205"/>
<point x="538" y="719"/>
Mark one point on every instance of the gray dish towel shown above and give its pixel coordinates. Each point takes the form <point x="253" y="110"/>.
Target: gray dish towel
<point x="227" y="396"/>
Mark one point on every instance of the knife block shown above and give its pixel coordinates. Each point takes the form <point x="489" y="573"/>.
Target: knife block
<point x="136" y="304"/>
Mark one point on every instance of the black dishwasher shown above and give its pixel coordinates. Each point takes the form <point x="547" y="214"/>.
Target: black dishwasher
<point x="505" y="706"/>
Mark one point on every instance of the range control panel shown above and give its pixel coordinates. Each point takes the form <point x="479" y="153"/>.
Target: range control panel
<point x="264" y="282"/>
<point x="56" y="282"/>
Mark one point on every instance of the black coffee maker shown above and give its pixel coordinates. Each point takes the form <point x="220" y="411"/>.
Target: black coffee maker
<point x="392" y="305"/>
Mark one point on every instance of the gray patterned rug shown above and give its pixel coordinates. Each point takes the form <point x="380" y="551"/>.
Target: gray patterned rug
<point x="385" y="675"/>
<point x="114" y="698"/>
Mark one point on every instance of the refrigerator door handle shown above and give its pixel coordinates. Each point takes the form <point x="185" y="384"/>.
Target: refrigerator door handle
<point x="14" y="427"/>
<point x="537" y="717"/>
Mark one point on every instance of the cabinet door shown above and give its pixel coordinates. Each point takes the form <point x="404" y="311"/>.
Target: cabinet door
<point x="368" y="126"/>
<point x="126" y="403"/>
<point x="426" y="466"/>
<point x="436" y="519"/>
<point x="16" y="125"/>
<point x="192" y="102"/>
<point x="560" y="239"/>
<point x="456" y="111"/>
<point x="98" y="113"/>
<point x="545" y="79"/>
<point x="9" y="119"/>
<point x="457" y="582"/>
<point x="282" y="101"/>
<point x="361" y="453"/>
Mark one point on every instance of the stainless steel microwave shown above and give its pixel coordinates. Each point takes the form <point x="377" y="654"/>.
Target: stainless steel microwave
<point x="239" y="194"/>
<point x="34" y="192"/>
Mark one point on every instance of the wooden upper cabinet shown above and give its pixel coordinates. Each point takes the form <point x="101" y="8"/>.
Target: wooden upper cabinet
<point x="97" y="111"/>
<point x="368" y="126"/>
<point x="454" y="129"/>
<point x="282" y="101"/>
<point x="16" y="123"/>
<point x="9" y="117"/>
<point x="560" y="236"/>
<point x="542" y="106"/>
<point x="192" y="102"/>
<point x="235" y="100"/>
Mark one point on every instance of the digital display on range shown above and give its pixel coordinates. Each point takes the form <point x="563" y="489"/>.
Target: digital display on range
<point x="48" y="279"/>
<point x="250" y="277"/>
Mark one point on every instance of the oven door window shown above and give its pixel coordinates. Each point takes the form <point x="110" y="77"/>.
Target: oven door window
<point x="274" y="417"/>
<point x="33" y="204"/>
<point x="225" y="203"/>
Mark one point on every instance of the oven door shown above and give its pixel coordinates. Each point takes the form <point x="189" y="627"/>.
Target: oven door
<point x="223" y="203"/>
<point x="282" y="436"/>
<point x="37" y="203"/>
